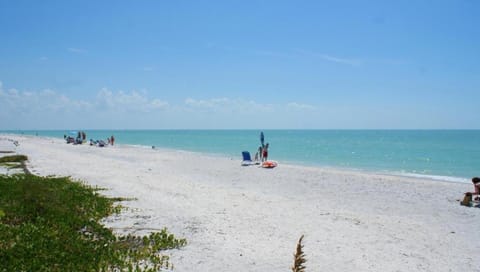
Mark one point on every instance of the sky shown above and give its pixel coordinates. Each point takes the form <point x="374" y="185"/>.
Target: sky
<point x="239" y="64"/>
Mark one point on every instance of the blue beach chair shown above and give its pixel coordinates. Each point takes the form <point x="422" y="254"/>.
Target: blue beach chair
<point x="247" y="160"/>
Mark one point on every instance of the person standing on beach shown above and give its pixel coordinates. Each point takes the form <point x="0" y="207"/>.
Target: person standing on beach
<point x="112" y="140"/>
<point x="265" y="153"/>
<point x="260" y="153"/>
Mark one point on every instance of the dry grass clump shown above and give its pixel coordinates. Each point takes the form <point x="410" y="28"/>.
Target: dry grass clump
<point x="299" y="258"/>
<point x="15" y="161"/>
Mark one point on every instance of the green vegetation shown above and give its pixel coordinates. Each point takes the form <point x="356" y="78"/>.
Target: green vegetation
<point x="13" y="158"/>
<point x="52" y="224"/>
<point x="14" y="161"/>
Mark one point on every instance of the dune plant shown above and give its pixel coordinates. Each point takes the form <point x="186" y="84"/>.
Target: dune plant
<point x="53" y="224"/>
<point x="299" y="258"/>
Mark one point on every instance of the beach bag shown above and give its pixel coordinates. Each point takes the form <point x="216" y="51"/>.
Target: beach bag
<point x="467" y="200"/>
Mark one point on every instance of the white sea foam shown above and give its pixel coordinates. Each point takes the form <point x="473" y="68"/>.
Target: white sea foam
<point x="434" y="177"/>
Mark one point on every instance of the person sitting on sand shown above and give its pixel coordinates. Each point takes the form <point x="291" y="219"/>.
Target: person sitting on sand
<point x="476" y="187"/>
<point x="467" y="199"/>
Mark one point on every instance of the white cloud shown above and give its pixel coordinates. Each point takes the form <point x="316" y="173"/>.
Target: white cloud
<point x="210" y="103"/>
<point x="228" y="105"/>
<point x="158" y="104"/>
<point x="300" y="106"/>
<point x="46" y="100"/>
<point x="129" y="102"/>
<point x="335" y="59"/>
<point x="51" y="101"/>
<point x="77" y="50"/>
<point x="353" y="62"/>
<point x="273" y="54"/>
<point x="50" y="109"/>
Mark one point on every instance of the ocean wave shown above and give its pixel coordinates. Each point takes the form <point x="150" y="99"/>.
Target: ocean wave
<point x="434" y="177"/>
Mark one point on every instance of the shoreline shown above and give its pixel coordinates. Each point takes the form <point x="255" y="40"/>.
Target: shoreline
<point x="396" y="173"/>
<point x="434" y="156"/>
<point x="249" y="219"/>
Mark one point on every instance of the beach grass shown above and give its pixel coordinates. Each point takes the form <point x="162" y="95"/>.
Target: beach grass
<point x="53" y="224"/>
<point x="299" y="258"/>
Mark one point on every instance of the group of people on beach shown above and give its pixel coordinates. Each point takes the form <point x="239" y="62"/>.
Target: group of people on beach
<point x="82" y="136"/>
<point x="80" y="139"/>
<point x="101" y="143"/>
<point x="262" y="153"/>
<point x="111" y="140"/>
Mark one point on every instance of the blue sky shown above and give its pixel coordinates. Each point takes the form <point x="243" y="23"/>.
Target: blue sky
<point x="239" y="64"/>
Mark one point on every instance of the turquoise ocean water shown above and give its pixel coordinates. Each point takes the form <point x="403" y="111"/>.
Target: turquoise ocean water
<point x="441" y="154"/>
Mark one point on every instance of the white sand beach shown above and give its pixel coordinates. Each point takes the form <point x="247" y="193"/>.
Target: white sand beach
<point x="249" y="219"/>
